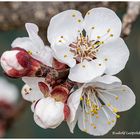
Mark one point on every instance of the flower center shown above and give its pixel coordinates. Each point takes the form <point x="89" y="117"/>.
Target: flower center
<point x="84" y="48"/>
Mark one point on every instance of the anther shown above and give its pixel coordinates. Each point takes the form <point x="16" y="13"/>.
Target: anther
<point x="65" y="56"/>
<point x="79" y="20"/>
<point x="30" y="52"/>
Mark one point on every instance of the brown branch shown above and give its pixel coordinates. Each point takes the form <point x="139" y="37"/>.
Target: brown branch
<point x="15" y="14"/>
<point x="132" y="13"/>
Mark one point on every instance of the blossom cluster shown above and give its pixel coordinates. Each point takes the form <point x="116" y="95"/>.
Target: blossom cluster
<point x="72" y="79"/>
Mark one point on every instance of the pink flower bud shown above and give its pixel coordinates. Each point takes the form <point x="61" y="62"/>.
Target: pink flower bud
<point x="58" y="65"/>
<point x="18" y="63"/>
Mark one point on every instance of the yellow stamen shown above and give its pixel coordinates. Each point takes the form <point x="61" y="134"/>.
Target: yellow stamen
<point x="109" y="104"/>
<point x="30" y="52"/>
<point x="108" y="30"/>
<point x="115" y="110"/>
<point x="118" y="116"/>
<point x="65" y="56"/>
<point x="81" y="98"/>
<point x="109" y="122"/>
<point x="117" y="97"/>
<point x="97" y="116"/>
<point x="113" y="121"/>
<point x="73" y="15"/>
<point x="94" y="126"/>
<point x="79" y="20"/>
<point x="88" y="13"/>
<point x="83" y="66"/>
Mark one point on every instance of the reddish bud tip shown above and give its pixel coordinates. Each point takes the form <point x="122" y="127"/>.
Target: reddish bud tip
<point x="60" y="93"/>
<point x="44" y="89"/>
<point x="66" y="111"/>
<point x="58" y="65"/>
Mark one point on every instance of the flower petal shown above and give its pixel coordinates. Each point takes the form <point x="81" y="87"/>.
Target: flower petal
<point x="65" y="27"/>
<point x="106" y="82"/>
<point x="86" y="71"/>
<point x="49" y="113"/>
<point x="64" y="56"/>
<point x="73" y="103"/>
<point x="24" y="43"/>
<point x="31" y="91"/>
<point x="102" y="24"/>
<point x="115" y="55"/>
<point x="97" y="126"/>
<point x="122" y="98"/>
<point x="45" y="56"/>
<point x="72" y="124"/>
<point x="32" y="30"/>
<point x="39" y="122"/>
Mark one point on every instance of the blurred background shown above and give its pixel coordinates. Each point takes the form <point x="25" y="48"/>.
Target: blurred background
<point x="13" y="16"/>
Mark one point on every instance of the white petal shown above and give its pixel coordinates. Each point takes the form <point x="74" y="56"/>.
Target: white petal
<point x="9" y="92"/>
<point x="39" y="122"/>
<point x="73" y="103"/>
<point x="45" y="56"/>
<point x="33" y="106"/>
<point x="64" y="56"/>
<point x="34" y="93"/>
<point x="24" y="43"/>
<point x="102" y="125"/>
<point x="65" y="26"/>
<point x="122" y="98"/>
<point x="98" y="22"/>
<point x="72" y="124"/>
<point x="115" y="54"/>
<point x="106" y="82"/>
<point x="32" y="30"/>
<point x="49" y="112"/>
<point x="86" y="71"/>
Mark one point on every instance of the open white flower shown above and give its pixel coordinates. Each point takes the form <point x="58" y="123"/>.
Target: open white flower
<point x="90" y="46"/>
<point x="100" y="99"/>
<point x="34" y="45"/>
<point x="8" y="92"/>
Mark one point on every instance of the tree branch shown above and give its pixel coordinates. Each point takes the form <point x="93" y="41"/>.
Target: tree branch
<point x="133" y="10"/>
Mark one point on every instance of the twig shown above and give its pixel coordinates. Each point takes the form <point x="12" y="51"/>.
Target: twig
<point x="130" y="17"/>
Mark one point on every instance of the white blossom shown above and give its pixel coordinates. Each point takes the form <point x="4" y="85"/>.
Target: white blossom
<point x="91" y="45"/>
<point x="101" y="100"/>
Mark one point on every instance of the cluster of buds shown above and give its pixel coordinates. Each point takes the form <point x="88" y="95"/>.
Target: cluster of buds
<point x="18" y="63"/>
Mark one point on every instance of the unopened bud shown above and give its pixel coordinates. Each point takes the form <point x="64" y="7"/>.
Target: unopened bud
<point x="18" y="63"/>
